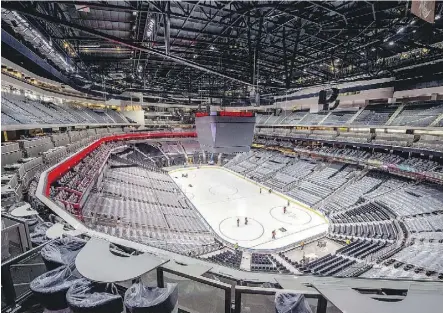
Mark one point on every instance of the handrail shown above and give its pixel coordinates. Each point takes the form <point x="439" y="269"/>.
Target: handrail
<point x="207" y="281"/>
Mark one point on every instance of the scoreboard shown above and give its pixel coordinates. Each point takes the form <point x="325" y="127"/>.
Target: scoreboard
<point x="225" y="132"/>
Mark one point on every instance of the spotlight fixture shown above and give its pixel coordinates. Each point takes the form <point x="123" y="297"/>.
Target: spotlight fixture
<point x="212" y="48"/>
<point x="401" y="29"/>
<point x="391" y="43"/>
<point x="437" y="17"/>
<point x="134" y="13"/>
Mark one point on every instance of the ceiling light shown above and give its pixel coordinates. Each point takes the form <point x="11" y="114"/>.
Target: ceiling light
<point x="412" y="22"/>
<point x="400" y="30"/>
<point x="414" y="31"/>
<point x="362" y="53"/>
<point x="212" y="47"/>
<point x="195" y="56"/>
<point x="373" y="49"/>
<point x="134" y="13"/>
<point x="304" y="70"/>
<point x="391" y="43"/>
<point x="437" y="17"/>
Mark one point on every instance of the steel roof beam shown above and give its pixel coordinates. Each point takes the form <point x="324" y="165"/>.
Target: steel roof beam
<point x="114" y="39"/>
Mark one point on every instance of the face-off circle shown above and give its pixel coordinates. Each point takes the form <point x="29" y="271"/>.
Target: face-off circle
<point x="293" y="215"/>
<point x="228" y="228"/>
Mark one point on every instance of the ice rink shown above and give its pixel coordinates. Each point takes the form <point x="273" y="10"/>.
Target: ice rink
<point x="222" y="196"/>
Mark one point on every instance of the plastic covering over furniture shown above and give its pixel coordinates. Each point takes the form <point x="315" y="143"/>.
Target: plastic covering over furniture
<point x="291" y="303"/>
<point x="38" y="236"/>
<point x="62" y="251"/>
<point x="86" y="296"/>
<point x="51" y="287"/>
<point x="143" y="299"/>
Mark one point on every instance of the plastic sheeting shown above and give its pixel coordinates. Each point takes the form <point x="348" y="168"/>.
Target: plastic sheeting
<point x="38" y="236"/>
<point x="291" y="303"/>
<point x="62" y="251"/>
<point x="86" y="296"/>
<point x="51" y="287"/>
<point x="140" y="298"/>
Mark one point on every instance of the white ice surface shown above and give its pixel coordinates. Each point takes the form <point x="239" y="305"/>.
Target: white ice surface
<point x="222" y="197"/>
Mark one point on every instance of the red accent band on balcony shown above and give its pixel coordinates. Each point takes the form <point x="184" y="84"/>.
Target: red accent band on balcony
<point x="65" y="166"/>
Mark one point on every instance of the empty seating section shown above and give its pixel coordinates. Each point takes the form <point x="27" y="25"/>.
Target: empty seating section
<point x="425" y="255"/>
<point x="268" y="168"/>
<point x="351" y="194"/>
<point x="365" y="213"/>
<point x="294" y="118"/>
<point x="144" y="205"/>
<point x="338" y="117"/>
<point x="328" y="265"/>
<point x="228" y="258"/>
<point x="320" y="184"/>
<point x="69" y="189"/>
<point x="191" y="146"/>
<point x="313" y="119"/>
<point x="419" y="114"/>
<point x="290" y="174"/>
<point x="375" y="115"/>
<point x="413" y="200"/>
<point x="381" y="230"/>
<point x="416" y="114"/>
<point x="426" y="223"/>
<point x="17" y="109"/>
<point x="267" y="263"/>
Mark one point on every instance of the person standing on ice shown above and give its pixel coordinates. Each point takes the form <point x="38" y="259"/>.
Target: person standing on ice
<point x="238" y="222"/>
<point x="284" y="210"/>
<point x="273" y="234"/>
<point x="260" y="190"/>
<point x="246" y="221"/>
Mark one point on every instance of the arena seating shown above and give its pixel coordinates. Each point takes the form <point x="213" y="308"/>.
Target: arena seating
<point x="228" y="258"/>
<point x="419" y="114"/>
<point x="17" y="109"/>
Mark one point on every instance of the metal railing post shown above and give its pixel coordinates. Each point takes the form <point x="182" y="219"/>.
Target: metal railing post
<point x="160" y="278"/>
<point x="237" y="301"/>
<point x="322" y="304"/>
<point x="8" y="285"/>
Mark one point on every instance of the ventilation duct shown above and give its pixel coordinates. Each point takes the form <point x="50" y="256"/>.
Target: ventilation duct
<point x="34" y="37"/>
